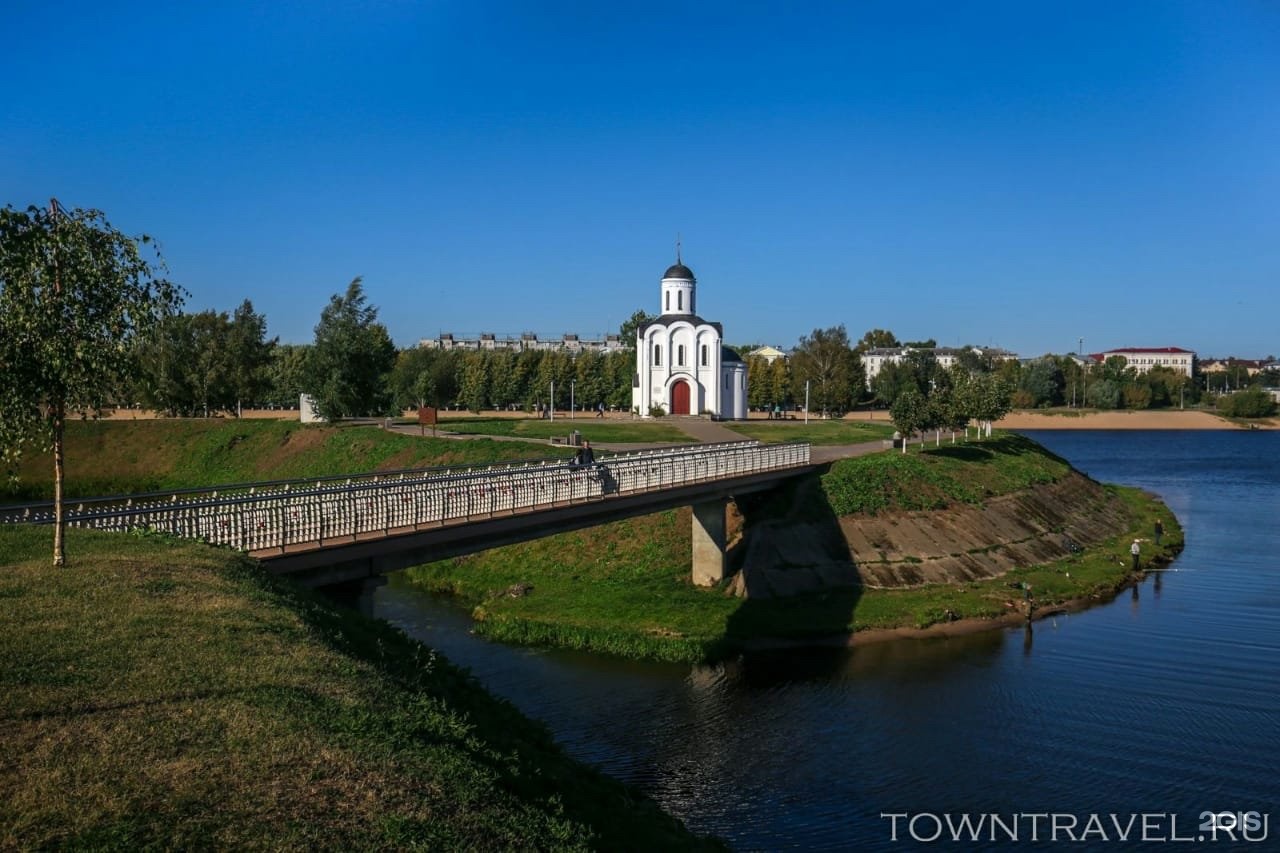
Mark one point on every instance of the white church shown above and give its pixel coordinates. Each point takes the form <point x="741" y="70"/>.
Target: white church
<point x="682" y="364"/>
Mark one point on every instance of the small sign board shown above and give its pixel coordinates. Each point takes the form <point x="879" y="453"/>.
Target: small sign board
<point x="427" y="415"/>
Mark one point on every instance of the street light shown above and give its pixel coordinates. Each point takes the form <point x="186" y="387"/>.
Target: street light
<point x="572" y="382"/>
<point x="806" y="401"/>
<point x="553" y="399"/>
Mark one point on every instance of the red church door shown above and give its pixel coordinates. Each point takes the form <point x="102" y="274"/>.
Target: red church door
<point x="680" y="398"/>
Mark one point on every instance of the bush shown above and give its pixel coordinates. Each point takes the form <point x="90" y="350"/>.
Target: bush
<point x="1251" y="403"/>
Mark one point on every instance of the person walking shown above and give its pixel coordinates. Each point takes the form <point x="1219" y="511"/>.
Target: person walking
<point x="1159" y="531"/>
<point x="600" y="411"/>
<point x="586" y="456"/>
<point x="1136" y="550"/>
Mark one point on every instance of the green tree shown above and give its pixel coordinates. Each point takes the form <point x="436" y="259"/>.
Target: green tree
<point x="825" y="361"/>
<point x="248" y="355"/>
<point x="165" y="360"/>
<point x="894" y="378"/>
<point x="473" y="385"/>
<point x="1041" y="381"/>
<point x="759" y="385"/>
<point x="285" y="373"/>
<point x="348" y="367"/>
<point x="877" y="339"/>
<point x="910" y="413"/>
<point x="75" y="297"/>
<point x="630" y="328"/>
<point x="1250" y="403"/>
<point x="1103" y="394"/>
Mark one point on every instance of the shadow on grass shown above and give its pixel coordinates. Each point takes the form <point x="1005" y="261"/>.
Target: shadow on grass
<point x="794" y="564"/>
<point x="519" y="753"/>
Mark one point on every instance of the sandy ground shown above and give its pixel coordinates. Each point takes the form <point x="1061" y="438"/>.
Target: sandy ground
<point x="1171" y="419"/>
<point x="1162" y="419"/>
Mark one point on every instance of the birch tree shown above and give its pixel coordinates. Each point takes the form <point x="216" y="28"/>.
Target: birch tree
<point x="75" y="296"/>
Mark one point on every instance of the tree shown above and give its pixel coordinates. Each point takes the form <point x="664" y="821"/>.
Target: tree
<point x="473" y="385"/>
<point x="249" y="354"/>
<point x="75" y="297"/>
<point x="1251" y="403"/>
<point x="630" y="328"/>
<point x="894" y="378"/>
<point x="348" y="367"/>
<point x="1041" y="381"/>
<point x="825" y="361"/>
<point x="909" y="413"/>
<point x="285" y="374"/>
<point x="877" y="339"/>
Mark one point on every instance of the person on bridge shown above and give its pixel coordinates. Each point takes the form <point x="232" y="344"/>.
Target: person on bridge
<point x="586" y="456"/>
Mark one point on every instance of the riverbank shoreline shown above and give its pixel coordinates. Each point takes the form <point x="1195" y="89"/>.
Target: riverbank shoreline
<point x="1152" y="419"/>
<point x="957" y="628"/>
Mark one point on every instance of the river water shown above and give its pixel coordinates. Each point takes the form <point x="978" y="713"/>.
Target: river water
<point x="1163" y="704"/>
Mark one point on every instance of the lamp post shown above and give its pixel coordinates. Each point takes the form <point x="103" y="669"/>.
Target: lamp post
<point x="572" y="382"/>
<point x="553" y="400"/>
<point x="806" y="401"/>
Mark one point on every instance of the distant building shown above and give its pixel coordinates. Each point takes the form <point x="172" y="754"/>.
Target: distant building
<point x="682" y="364"/>
<point x="527" y="341"/>
<point x="874" y="360"/>
<point x="1143" y="359"/>
<point x="1251" y="366"/>
<point x="768" y="353"/>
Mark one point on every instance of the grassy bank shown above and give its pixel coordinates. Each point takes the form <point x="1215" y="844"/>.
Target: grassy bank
<point x="167" y="695"/>
<point x="625" y="589"/>
<point x="117" y="457"/>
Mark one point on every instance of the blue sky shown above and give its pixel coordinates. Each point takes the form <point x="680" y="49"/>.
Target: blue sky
<point x="1014" y="174"/>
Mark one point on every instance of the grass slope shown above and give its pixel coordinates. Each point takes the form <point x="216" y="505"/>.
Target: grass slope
<point x="167" y="695"/>
<point x="117" y="457"/>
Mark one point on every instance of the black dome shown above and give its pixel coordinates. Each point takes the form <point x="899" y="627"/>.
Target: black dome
<point x="678" y="270"/>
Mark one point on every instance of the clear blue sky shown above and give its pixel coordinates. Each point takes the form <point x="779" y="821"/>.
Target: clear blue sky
<point x="1019" y="174"/>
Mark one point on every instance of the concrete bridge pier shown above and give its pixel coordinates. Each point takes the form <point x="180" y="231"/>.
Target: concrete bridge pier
<point x="709" y="542"/>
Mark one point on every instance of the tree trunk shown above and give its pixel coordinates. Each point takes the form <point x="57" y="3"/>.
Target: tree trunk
<point x="59" y="521"/>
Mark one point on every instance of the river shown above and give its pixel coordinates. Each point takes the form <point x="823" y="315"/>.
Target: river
<point x="1163" y="704"/>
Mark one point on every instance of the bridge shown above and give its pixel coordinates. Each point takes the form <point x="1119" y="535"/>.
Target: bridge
<point x="336" y="530"/>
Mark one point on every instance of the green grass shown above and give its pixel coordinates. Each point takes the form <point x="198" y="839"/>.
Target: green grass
<point x="814" y="432"/>
<point x="938" y="477"/>
<point x="118" y="457"/>
<point x="166" y="695"/>
<point x="624" y="589"/>
<point x="594" y="429"/>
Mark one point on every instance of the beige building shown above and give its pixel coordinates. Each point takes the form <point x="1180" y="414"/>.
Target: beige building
<point x="1143" y="359"/>
<point x="768" y="353"/>
<point x="874" y="360"/>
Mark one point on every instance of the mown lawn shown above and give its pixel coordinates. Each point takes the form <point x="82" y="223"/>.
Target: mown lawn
<point x="592" y="428"/>
<point x="814" y="432"/>
<point x="166" y="695"/>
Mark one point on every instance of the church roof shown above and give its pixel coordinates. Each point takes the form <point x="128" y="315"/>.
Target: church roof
<point x="729" y="354"/>
<point x="678" y="270"/>
<point x="668" y="319"/>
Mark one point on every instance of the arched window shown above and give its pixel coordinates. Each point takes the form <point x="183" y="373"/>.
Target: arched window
<point x="679" y="300"/>
<point x="680" y="355"/>
<point x="704" y="355"/>
<point x="668" y="307"/>
<point x="657" y="355"/>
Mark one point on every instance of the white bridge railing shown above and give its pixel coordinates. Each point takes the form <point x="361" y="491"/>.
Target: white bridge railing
<point x="275" y="515"/>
